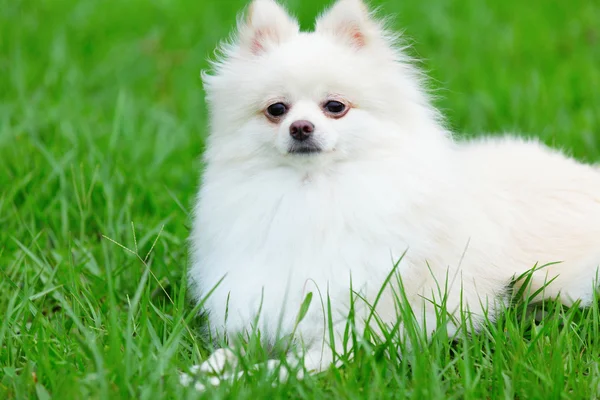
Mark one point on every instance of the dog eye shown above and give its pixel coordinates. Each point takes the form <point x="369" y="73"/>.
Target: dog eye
<point x="276" y="110"/>
<point x="335" y="108"/>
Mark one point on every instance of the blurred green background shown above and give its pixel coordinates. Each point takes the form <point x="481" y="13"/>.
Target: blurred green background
<point x="102" y="123"/>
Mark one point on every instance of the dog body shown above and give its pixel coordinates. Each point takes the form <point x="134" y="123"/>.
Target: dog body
<point x="326" y="165"/>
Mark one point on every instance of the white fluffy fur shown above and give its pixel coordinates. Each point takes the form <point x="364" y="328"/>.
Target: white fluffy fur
<point x="390" y="179"/>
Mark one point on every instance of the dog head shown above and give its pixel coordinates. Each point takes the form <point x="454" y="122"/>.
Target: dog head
<point x="341" y="92"/>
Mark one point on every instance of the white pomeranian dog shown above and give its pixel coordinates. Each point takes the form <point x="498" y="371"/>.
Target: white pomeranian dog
<point x="327" y="167"/>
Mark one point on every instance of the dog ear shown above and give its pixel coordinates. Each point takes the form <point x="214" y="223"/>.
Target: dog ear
<point x="266" y="24"/>
<point x="351" y="21"/>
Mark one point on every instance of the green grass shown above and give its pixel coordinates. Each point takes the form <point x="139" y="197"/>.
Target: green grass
<point x="102" y="123"/>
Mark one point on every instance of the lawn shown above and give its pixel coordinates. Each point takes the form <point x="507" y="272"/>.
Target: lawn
<point x="102" y="124"/>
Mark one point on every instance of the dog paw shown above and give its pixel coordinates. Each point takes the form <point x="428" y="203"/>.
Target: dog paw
<point x="222" y="366"/>
<point x="219" y="362"/>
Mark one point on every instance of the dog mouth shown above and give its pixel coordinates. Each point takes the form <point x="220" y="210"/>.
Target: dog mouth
<point x="304" y="148"/>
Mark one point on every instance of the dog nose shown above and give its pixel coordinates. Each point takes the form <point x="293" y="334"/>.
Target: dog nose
<point x="301" y="130"/>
